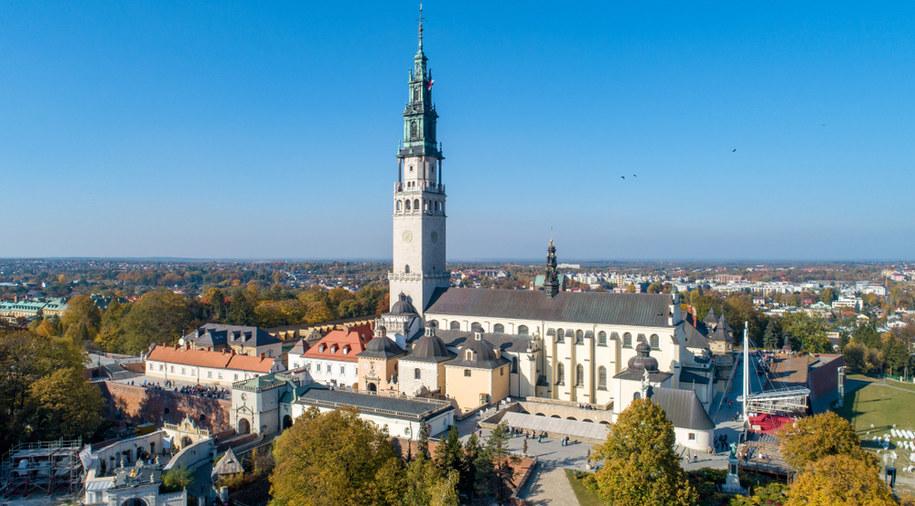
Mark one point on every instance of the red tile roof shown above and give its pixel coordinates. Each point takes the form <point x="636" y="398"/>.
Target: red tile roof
<point x="351" y="339"/>
<point x="215" y="359"/>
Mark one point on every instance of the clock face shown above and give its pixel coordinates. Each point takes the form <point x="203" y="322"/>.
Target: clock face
<point x="407" y="236"/>
<point x="434" y="236"/>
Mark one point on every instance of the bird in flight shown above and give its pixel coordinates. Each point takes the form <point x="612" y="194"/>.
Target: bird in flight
<point x="634" y="175"/>
<point x="622" y="177"/>
<point x="734" y="150"/>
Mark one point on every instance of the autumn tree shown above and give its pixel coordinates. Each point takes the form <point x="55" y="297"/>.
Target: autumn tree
<point x="639" y="463"/>
<point x="814" y="437"/>
<point x="160" y="316"/>
<point x="81" y="310"/>
<point x="840" y="480"/>
<point x="854" y="354"/>
<point x="44" y="393"/>
<point x="333" y="458"/>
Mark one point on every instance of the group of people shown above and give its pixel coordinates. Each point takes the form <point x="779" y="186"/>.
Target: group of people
<point x="721" y="443"/>
<point x="208" y="391"/>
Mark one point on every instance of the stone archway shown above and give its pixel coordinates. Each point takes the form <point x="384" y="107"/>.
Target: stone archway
<point x="244" y="426"/>
<point x="135" y="501"/>
<point x="185" y="442"/>
<point x="372" y="387"/>
<point x="287" y="422"/>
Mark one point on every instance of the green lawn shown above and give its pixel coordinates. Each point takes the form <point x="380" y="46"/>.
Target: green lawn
<point x="879" y="404"/>
<point x="585" y="497"/>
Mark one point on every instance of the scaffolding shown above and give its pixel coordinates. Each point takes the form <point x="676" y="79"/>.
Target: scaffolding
<point x="49" y="467"/>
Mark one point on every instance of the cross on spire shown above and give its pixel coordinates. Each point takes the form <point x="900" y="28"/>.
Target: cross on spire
<point x="421" y="19"/>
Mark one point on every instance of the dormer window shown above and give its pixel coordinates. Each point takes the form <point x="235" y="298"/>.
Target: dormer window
<point x="333" y="348"/>
<point x="346" y="349"/>
<point x="468" y="356"/>
<point x="322" y="347"/>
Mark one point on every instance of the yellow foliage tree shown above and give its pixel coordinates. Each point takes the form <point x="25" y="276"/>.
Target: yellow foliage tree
<point x="814" y="437"/>
<point x="839" y="480"/>
<point x="640" y="466"/>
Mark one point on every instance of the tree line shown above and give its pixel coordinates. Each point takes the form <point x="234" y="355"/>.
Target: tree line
<point x="338" y="458"/>
<point x="162" y="316"/>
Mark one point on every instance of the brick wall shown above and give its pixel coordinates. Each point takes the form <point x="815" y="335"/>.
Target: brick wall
<point x="139" y="405"/>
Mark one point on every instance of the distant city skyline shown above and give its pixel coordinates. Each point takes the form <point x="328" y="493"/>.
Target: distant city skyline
<point x="235" y="131"/>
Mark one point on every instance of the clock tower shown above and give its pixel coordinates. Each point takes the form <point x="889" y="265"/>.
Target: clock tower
<point x="419" y="196"/>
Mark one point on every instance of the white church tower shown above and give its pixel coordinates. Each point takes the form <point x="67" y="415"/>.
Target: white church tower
<point x="419" y="196"/>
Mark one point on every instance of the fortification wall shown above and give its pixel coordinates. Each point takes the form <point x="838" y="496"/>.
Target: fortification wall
<point x="138" y="404"/>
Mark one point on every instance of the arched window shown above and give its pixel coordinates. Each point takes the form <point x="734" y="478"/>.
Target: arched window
<point x="468" y="355"/>
<point x="437" y="206"/>
<point x="655" y="342"/>
<point x="406" y="269"/>
<point x="398" y="205"/>
<point x="522" y="330"/>
<point x="560" y="336"/>
<point x="454" y="325"/>
<point x="579" y="375"/>
<point x="560" y="374"/>
<point x="416" y="204"/>
<point x="417" y="373"/>
<point x="579" y="335"/>
<point x="636" y="396"/>
<point x="627" y="340"/>
<point x="602" y="338"/>
<point x="416" y="94"/>
<point x="408" y="205"/>
<point x="476" y="327"/>
<point x="514" y="364"/>
<point x="602" y="378"/>
<point x="413" y="129"/>
<point x="498" y="328"/>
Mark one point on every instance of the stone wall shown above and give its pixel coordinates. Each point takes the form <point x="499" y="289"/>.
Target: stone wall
<point x="137" y="404"/>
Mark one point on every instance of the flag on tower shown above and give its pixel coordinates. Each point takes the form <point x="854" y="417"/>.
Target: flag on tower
<point x="429" y="84"/>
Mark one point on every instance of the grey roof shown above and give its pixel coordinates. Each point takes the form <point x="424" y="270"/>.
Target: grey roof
<point x="682" y="407"/>
<point x="711" y="317"/>
<point x="300" y="347"/>
<point x="429" y="348"/>
<point x="690" y="377"/>
<point x="695" y="338"/>
<point x="640" y="309"/>
<point x="637" y="374"/>
<point x="228" y="464"/>
<point x="218" y="334"/>
<point x="484" y="355"/>
<point x="381" y="347"/>
<point x="403" y="306"/>
<point x="505" y="342"/>
<point x="575" y="428"/>
<point x="397" y="407"/>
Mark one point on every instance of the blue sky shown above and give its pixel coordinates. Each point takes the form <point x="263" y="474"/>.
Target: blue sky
<point x="268" y="130"/>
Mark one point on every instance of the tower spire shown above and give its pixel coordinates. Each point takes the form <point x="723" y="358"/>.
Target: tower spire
<point x="551" y="280"/>
<point x="421" y="19"/>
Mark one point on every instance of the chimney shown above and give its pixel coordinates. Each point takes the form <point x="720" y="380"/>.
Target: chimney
<point x="263" y="356"/>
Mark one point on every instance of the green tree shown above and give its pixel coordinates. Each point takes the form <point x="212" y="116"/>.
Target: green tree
<point x="160" y="316"/>
<point x="497" y="448"/>
<point x="866" y="334"/>
<point x="828" y="296"/>
<point x="425" y="483"/>
<point x="111" y="335"/>
<point x="217" y="306"/>
<point x="640" y="466"/>
<point x="333" y="458"/>
<point x="807" y="333"/>
<point x="177" y="479"/>
<point x="840" y="480"/>
<point x="423" y="443"/>
<point x="241" y="309"/>
<point x="811" y="438"/>
<point x="771" y="339"/>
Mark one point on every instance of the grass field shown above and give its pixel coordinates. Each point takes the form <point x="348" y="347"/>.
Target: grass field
<point x="873" y="407"/>
<point x="585" y="497"/>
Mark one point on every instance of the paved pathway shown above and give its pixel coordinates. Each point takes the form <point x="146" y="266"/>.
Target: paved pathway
<point x="549" y="485"/>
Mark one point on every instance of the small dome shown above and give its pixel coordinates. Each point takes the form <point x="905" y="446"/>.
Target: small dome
<point x="382" y="344"/>
<point x="403" y="306"/>
<point x="643" y="360"/>
<point x="430" y="348"/>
